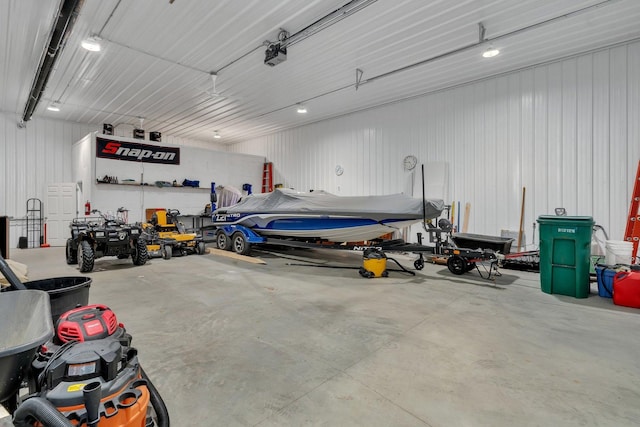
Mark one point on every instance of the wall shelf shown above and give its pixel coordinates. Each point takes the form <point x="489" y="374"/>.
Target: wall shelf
<point x="198" y="164"/>
<point x="138" y="186"/>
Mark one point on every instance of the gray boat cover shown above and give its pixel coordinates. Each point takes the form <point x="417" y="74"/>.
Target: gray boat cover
<point x="291" y="201"/>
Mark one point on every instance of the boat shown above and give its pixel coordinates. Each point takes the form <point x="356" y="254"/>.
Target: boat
<point x="319" y="215"/>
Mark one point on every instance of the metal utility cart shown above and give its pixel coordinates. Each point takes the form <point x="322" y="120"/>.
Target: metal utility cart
<point x="470" y="249"/>
<point x="34" y="223"/>
<point x="462" y="260"/>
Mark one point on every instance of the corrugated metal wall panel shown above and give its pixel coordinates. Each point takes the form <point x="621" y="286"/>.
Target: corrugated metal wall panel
<point x="567" y="131"/>
<point x="4" y="173"/>
<point x="584" y="135"/>
<point x="618" y="165"/>
<point x="34" y="156"/>
<point x="601" y="147"/>
<point x="568" y="177"/>
<point x="41" y="154"/>
<point x="526" y="138"/>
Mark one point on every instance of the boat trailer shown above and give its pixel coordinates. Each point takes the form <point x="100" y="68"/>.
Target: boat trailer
<point x="460" y="260"/>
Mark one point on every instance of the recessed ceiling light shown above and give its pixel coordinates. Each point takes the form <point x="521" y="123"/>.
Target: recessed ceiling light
<point x="490" y="52"/>
<point x="54" y="107"/>
<point x="301" y="109"/>
<point x="91" y="43"/>
<point x="216" y="135"/>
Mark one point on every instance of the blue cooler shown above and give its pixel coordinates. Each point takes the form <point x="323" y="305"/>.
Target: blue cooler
<point x="604" y="274"/>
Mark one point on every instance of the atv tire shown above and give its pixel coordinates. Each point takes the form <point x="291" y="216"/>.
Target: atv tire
<point x="72" y="254"/>
<point x="140" y="254"/>
<point x="200" y="248"/>
<point x="86" y="257"/>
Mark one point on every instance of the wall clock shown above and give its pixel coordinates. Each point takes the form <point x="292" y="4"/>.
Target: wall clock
<point x="409" y="162"/>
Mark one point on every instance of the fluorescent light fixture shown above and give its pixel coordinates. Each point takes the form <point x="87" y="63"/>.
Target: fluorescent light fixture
<point x="92" y="44"/>
<point x="301" y="109"/>
<point x="490" y="52"/>
<point x="54" y="107"/>
<point x="216" y="135"/>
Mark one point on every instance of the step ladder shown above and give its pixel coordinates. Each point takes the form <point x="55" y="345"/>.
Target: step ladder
<point x="632" y="233"/>
<point x="267" y="178"/>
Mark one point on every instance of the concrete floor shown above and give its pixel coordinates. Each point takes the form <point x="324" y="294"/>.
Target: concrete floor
<point x="230" y="343"/>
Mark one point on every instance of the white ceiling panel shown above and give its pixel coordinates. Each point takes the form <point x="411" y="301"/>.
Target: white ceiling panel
<point x="157" y="55"/>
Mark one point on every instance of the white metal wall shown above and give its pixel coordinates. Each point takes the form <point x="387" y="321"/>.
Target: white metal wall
<point x="568" y="131"/>
<point x="41" y="154"/>
<point x="30" y="158"/>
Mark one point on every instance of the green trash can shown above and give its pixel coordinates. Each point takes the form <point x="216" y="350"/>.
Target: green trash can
<point x="565" y="250"/>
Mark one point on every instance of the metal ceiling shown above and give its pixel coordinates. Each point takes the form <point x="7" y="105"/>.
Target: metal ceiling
<point x="157" y="55"/>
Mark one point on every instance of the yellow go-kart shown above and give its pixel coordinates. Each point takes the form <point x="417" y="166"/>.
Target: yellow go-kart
<point x="166" y="236"/>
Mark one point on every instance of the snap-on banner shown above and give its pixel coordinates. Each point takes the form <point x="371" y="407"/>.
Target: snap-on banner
<point x="136" y="152"/>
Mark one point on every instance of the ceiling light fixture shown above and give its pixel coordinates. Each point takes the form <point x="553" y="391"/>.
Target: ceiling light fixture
<point x="91" y="43"/>
<point x="216" y="135"/>
<point x="301" y="109"/>
<point x="490" y="52"/>
<point x="55" y="106"/>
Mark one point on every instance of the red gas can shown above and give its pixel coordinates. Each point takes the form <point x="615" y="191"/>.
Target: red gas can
<point x="626" y="289"/>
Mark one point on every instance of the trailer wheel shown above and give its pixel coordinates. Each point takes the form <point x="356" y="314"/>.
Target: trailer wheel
<point x="240" y="244"/>
<point x="223" y="241"/>
<point x="457" y="265"/>
<point x="419" y="264"/>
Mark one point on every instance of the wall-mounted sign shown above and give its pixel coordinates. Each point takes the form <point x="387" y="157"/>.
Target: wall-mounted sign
<point x="136" y="152"/>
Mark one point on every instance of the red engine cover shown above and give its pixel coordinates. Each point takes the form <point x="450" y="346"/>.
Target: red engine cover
<point x="86" y="323"/>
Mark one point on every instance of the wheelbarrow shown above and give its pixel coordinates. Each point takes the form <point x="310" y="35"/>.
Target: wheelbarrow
<point x="26" y="325"/>
<point x="28" y="318"/>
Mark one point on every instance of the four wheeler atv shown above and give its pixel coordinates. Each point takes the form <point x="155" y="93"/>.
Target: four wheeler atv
<point x="167" y="236"/>
<point x="104" y="236"/>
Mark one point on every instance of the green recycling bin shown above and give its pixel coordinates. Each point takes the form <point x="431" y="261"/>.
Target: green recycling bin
<point x="565" y="250"/>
